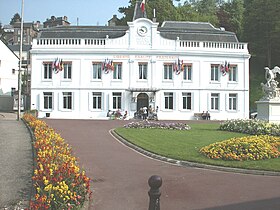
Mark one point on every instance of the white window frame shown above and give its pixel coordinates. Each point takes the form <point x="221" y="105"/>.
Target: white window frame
<point x="98" y="74"/>
<point x="232" y="101"/>
<point x="96" y="98"/>
<point x="187" y="74"/>
<point x="48" y="100"/>
<point x="47" y="71"/>
<point x="143" y="71"/>
<point x="168" y="71"/>
<point x="117" y="73"/>
<point x="117" y="100"/>
<point x="215" y="73"/>
<point x="68" y="96"/>
<point x="232" y="74"/>
<point x="67" y="71"/>
<point x="169" y="100"/>
<point x="185" y="97"/>
<point x="215" y="101"/>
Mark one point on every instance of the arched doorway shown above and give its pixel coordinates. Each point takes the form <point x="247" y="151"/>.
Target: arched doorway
<point x="142" y="100"/>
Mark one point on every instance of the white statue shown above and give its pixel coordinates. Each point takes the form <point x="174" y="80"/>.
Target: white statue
<point x="270" y="87"/>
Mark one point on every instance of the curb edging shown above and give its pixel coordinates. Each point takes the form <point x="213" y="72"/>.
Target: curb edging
<point x="188" y="163"/>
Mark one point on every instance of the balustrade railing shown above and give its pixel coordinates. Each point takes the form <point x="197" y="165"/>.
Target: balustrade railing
<point x="164" y="44"/>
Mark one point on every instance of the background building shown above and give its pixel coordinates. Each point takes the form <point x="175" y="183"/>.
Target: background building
<point x="56" y="21"/>
<point x="8" y="70"/>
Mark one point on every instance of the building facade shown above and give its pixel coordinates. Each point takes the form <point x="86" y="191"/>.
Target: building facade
<point x="182" y="68"/>
<point x="8" y="70"/>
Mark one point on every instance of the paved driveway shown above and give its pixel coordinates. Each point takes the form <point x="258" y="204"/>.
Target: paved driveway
<point x="120" y="175"/>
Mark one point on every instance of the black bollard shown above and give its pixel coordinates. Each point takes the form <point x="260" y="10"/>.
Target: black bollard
<point x="154" y="193"/>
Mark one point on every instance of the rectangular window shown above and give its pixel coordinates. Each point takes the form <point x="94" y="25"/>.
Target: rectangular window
<point x="67" y="67"/>
<point x="117" y="71"/>
<point x="168" y="100"/>
<point x="168" y="71"/>
<point x="187" y="72"/>
<point x="187" y="100"/>
<point x="214" y="72"/>
<point x="232" y="75"/>
<point x="214" y="101"/>
<point x="143" y="70"/>
<point x="48" y="100"/>
<point x="96" y="70"/>
<point x="117" y="100"/>
<point x="47" y="71"/>
<point x="67" y="100"/>
<point x="96" y="100"/>
<point x="13" y="71"/>
<point x="232" y="102"/>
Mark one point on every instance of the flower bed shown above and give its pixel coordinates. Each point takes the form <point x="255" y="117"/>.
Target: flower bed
<point x="245" y="148"/>
<point x="253" y="127"/>
<point x="58" y="181"/>
<point x="160" y="125"/>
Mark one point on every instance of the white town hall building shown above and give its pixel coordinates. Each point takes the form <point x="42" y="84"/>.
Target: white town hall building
<point x="82" y="72"/>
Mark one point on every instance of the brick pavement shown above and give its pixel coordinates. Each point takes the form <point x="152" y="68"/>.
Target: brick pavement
<point x="120" y="175"/>
<point x="15" y="163"/>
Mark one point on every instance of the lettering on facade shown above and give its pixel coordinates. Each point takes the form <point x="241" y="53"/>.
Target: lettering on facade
<point x="163" y="57"/>
<point x="142" y="57"/>
<point x="121" y="56"/>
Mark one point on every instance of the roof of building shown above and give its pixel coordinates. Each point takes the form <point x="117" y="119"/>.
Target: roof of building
<point x="16" y="48"/>
<point x="83" y="32"/>
<point x="194" y="31"/>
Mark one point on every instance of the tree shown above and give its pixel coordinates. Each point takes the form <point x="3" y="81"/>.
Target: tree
<point x="1" y="29"/>
<point x="262" y="30"/>
<point x="206" y="12"/>
<point x="230" y="16"/>
<point x="127" y="12"/>
<point x="165" y="10"/>
<point x="15" y="19"/>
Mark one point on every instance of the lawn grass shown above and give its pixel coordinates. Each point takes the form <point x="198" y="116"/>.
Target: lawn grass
<point x="185" y="145"/>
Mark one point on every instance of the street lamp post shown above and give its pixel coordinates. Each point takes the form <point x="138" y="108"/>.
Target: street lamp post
<point x="20" y="61"/>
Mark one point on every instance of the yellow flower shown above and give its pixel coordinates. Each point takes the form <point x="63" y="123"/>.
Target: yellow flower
<point x="46" y="182"/>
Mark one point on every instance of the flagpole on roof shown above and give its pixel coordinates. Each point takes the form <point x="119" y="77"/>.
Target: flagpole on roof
<point x="20" y="61"/>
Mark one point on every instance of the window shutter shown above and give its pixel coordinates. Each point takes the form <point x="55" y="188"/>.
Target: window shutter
<point x="226" y="101"/>
<point x="40" y="101"/>
<point x="89" y="101"/>
<point x="175" y="104"/>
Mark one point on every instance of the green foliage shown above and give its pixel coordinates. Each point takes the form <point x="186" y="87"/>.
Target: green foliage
<point x="185" y="145"/>
<point x="230" y="16"/>
<point x="165" y="10"/>
<point x="262" y="29"/>
<point x="16" y="18"/>
<point x="253" y="127"/>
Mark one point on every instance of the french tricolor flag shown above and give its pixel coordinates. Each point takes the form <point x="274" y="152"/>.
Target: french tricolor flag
<point x="142" y="6"/>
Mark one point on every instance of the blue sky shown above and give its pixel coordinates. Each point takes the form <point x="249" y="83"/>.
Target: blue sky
<point x="89" y="12"/>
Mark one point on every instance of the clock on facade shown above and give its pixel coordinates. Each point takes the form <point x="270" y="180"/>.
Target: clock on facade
<point x="142" y="30"/>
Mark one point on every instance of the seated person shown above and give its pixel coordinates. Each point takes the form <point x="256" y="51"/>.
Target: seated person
<point x="204" y="115"/>
<point x="207" y="115"/>
<point x="125" y="115"/>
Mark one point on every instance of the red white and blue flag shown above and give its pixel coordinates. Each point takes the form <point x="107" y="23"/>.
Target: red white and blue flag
<point x="142" y="6"/>
<point x="225" y="68"/>
<point x="57" y="65"/>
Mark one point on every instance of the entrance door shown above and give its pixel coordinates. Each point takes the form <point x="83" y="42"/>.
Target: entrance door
<point x="142" y="100"/>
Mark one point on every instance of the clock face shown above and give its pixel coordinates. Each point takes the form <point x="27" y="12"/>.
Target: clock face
<point x="142" y="30"/>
